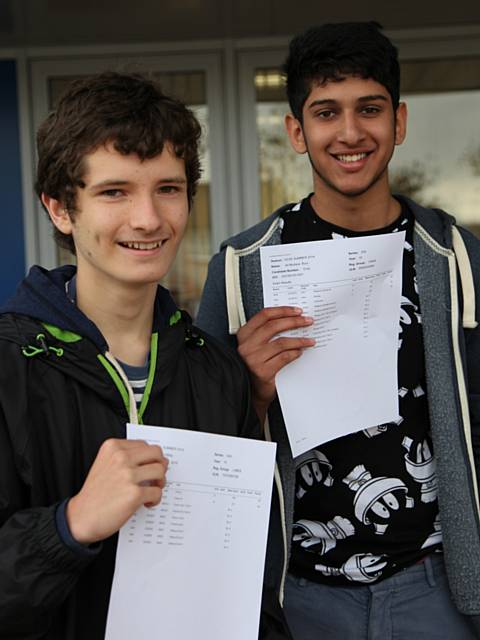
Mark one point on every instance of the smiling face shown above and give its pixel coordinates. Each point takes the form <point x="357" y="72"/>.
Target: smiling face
<point x="130" y="218"/>
<point x="349" y="131"/>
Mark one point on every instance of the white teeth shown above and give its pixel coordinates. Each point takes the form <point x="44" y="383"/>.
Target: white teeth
<point x="143" y="245"/>
<point x="351" y="158"/>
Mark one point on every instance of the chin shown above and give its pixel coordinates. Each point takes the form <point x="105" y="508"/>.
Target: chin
<point x="144" y="280"/>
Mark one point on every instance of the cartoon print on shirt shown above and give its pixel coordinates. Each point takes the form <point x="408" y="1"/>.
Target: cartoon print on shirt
<point x="405" y="316"/>
<point x="313" y="468"/>
<point x="436" y="536"/>
<point x="371" y="432"/>
<point x="362" y="567"/>
<point x="377" y="498"/>
<point x="321" y="537"/>
<point x="381" y="481"/>
<point x="420" y="464"/>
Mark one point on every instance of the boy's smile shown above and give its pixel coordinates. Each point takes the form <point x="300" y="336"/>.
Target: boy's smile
<point x="130" y="217"/>
<point x="349" y="131"/>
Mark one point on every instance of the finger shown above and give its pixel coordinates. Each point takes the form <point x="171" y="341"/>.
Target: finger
<point x="135" y="456"/>
<point x="113" y="445"/>
<point x="267" y="332"/>
<point x="288" y="344"/>
<point x="266" y="315"/>
<point x="263" y="353"/>
<point x="151" y="496"/>
<point x="149" y="473"/>
<point x="268" y="371"/>
<point x="147" y="453"/>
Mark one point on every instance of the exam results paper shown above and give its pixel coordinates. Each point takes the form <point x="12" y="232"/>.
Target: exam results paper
<point x="352" y="288"/>
<point x="192" y="567"/>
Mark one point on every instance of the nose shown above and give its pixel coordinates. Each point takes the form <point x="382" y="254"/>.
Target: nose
<point x="145" y="215"/>
<point x="351" y="131"/>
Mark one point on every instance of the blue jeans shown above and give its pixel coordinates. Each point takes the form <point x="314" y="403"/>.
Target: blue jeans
<point x="414" y="604"/>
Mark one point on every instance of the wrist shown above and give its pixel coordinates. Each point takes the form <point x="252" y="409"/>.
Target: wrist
<point x="261" y="409"/>
<point x="66" y="536"/>
<point x="76" y="524"/>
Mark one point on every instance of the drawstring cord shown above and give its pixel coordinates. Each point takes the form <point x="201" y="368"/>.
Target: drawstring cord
<point x="30" y="351"/>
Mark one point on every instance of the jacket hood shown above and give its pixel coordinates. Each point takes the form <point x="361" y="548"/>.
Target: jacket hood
<point x="42" y="296"/>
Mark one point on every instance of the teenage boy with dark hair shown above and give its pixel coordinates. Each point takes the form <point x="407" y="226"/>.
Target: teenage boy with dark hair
<point x="86" y="349"/>
<point x="370" y="523"/>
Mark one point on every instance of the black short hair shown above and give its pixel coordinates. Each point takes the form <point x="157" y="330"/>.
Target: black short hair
<point x="128" y="110"/>
<point x="333" y="51"/>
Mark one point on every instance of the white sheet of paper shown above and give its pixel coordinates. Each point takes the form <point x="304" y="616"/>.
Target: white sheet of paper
<point x="192" y="567"/>
<point x="351" y="287"/>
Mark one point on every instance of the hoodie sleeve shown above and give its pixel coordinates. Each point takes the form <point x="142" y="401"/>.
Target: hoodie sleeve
<point x="37" y="570"/>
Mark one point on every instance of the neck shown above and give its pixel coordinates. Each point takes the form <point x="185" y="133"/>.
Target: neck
<point x="123" y="315"/>
<point x="374" y="209"/>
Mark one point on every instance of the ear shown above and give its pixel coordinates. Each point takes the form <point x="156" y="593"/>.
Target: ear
<point x="58" y="214"/>
<point x="295" y="133"/>
<point x="401" y="123"/>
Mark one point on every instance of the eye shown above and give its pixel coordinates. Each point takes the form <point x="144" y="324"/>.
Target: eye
<point x="325" y="114"/>
<point x="370" y="110"/>
<point x="171" y="189"/>
<point x="112" y="193"/>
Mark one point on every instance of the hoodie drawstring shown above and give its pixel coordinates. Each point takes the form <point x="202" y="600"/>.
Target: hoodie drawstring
<point x="30" y="351"/>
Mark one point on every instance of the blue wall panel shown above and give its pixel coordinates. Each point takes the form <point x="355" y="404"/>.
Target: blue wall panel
<point x="12" y="252"/>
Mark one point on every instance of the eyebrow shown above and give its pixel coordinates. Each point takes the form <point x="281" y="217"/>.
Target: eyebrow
<point x="331" y="101"/>
<point x="111" y="182"/>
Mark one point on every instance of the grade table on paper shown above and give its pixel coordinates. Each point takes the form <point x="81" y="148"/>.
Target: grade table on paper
<point x="193" y="565"/>
<point x="351" y="287"/>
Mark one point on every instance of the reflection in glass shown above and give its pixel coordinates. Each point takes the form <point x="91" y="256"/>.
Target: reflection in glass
<point x="439" y="163"/>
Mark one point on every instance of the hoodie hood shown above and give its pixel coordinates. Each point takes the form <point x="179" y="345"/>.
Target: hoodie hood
<point x="42" y="296"/>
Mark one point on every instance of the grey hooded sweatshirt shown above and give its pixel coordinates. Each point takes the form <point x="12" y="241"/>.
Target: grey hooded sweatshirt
<point x="447" y="260"/>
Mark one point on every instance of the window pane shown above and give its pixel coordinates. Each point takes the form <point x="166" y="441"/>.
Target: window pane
<point x="285" y="176"/>
<point x="439" y="163"/>
<point x="187" y="276"/>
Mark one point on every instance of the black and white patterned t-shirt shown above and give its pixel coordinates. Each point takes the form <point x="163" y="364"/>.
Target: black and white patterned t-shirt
<point x="366" y="503"/>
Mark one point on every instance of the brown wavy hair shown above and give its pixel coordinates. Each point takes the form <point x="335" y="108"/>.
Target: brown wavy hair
<point x="128" y="110"/>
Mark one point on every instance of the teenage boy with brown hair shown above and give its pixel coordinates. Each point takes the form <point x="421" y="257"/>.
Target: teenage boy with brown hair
<point x="375" y="520"/>
<point x="86" y="349"/>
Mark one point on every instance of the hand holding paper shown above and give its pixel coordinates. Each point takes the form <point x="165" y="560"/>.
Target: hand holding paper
<point x="348" y="380"/>
<point x="123" y="476"/>
<point x="194" y="564"/>
<point x="265" y="353"/>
